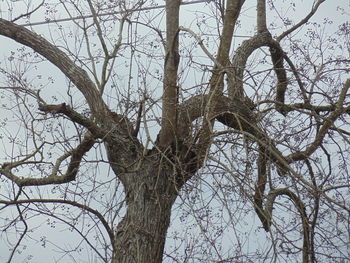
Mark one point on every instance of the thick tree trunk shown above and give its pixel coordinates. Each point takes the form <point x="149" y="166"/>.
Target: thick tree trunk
<point x="140" y="236"/>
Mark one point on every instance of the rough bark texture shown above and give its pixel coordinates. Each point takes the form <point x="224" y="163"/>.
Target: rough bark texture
<point x="151" y="191"/>
<point x="171" y="63"/>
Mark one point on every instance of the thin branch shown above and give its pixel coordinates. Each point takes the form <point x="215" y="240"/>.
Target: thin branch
<point x="200" y="42"/>
<point x="33" y="93"/>
<point x="98" y="28"/>
<point x="72" y="203"/>
<point x="260" y="186"/>
<point x="112" y="56"/>
<point x="301" y="155"/>
<point x="302" y="22"/>
<point x="74" y="116"/>
<point x="24" y="223"/>
<point x="111" y="13"/>
<point x="296" y="75"/>
<point x="29" y="13"/>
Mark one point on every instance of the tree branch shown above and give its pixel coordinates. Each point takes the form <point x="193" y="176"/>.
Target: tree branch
<point x="226" y="112"/>
<point x="23" y="219"/>
<point x="302" y="22"/>
<point x="170" y="89"/>
<point x="233" y="9"/>
<point x="301" y="155"/>
<point x="239" y="61"/>
<point x="71" y="172"/>
<point x="73" y="116"/>
<point x="29" y="13"/>
<point x="260" y="187"/>
<point x="277" y="56"/>
<point x="205" y="50"/>
<point x="261" y="16"/>
<point x="216" y="82"/>
<point x="296" y="75"/>
<point x="301" y="208"/>
<point x="57" y="57"/>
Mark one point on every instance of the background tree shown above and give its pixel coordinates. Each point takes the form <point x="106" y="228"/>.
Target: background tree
<point x="177" y="115"/>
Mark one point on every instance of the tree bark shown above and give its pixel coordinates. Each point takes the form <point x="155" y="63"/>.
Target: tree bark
<point x="171" y="64"/>
<point x="150" y="193"/>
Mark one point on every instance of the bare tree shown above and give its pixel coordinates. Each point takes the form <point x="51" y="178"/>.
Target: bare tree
<point x="175" y="116"/>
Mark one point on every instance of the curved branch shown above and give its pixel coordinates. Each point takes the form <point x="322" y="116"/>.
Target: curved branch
<point x="231" y="112"/>
<point x="72" y="170"/>
<point x="227" y="111"/>
<point x="57" y="57"/>
<point x="263" y="38"/>
<point x="235" y="85"/>
<point x="239" y="61"/>
<point x="301" y="208"/>
<point x="235" y="114"/>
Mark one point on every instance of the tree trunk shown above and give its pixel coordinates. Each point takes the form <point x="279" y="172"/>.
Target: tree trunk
<point x="150" y="193"/>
